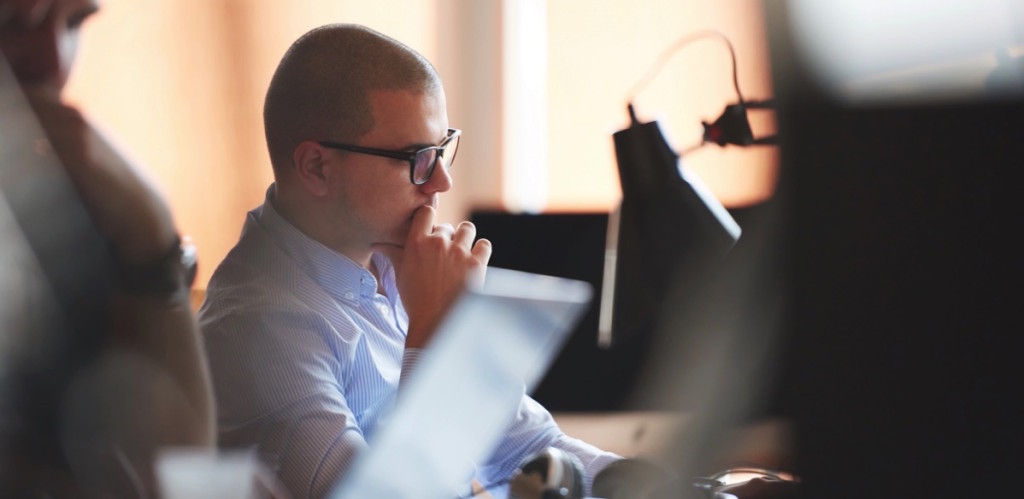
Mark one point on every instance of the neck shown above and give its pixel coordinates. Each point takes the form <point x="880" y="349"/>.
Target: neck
<point x="308" y="216"/>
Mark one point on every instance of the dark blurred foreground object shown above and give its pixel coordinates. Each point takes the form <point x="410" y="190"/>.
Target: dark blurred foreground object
<point x="637" y="478"/>
<point x="634" y="478"/>
<point x="100" y="365"/>
<point x="903" y="360"/>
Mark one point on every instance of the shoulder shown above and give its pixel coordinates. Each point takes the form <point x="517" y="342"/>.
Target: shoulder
<point x="254" y="280"/>
<point x="254" y="330"/>
<point x="250" y="302"/>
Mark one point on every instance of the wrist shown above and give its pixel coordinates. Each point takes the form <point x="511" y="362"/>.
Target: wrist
<point x="416" y="339"/>
<point x="419" y="334"/>
<point x="171" y="273"/>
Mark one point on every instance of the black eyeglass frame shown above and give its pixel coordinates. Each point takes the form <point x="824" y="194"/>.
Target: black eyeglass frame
<point x="410" y="156"/>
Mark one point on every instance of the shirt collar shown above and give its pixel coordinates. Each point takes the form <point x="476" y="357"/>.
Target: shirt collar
<point x="338" y="274"/>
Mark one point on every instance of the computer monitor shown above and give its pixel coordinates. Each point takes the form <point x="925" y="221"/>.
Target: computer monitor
<point x="584" y="377"/>
<point x="902" y="362"/>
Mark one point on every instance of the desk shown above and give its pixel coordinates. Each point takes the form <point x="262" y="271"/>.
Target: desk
<point x="627" y="434"/>
<point x="630" y="434"/>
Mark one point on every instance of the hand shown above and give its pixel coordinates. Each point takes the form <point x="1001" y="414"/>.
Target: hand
<point x="433" y="268"/>
<point x="126" y="209"/>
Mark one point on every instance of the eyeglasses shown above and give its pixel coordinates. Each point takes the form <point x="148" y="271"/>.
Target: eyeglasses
<point x="421" y="162"/>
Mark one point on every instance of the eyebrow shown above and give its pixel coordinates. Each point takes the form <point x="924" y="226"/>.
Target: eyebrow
<point x="417" y="147"/>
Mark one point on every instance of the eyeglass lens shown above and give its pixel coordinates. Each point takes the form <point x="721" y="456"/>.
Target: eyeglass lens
<point x="427" y="159"/>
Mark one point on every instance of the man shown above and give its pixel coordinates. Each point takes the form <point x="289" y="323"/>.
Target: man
<point x="316" y="317"/>
<point x="101" y="362"/>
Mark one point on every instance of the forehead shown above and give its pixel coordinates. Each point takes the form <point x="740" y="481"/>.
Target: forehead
<point x="405" y="117"/>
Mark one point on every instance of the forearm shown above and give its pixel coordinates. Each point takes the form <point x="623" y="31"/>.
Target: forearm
<point x="147" y="391"/>
<point x="533" y="430"/>
<point x="162" y="331"/>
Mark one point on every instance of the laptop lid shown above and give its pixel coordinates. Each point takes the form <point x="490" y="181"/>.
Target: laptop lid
<point x="497" y="341"/>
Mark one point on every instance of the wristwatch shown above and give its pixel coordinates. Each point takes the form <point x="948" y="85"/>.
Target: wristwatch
<point x="170" y="273"/>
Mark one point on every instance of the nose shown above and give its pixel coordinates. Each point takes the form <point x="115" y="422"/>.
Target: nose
<point x="440" y="181"/>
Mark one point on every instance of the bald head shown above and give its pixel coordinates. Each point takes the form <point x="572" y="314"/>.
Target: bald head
<point x="321" y="88"/>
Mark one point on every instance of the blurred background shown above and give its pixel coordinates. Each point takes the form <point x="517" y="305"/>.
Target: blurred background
<point x="538" y="87"/>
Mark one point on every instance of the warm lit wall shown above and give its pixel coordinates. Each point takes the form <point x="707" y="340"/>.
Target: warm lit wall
<point x="180" y="84"/>
<point x="600" y="48"/>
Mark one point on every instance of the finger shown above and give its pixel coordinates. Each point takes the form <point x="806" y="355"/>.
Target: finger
<point x="444" y="230"/>
<point x="482" y="251"/>
<point x="482" y="254"/>
<point x="465" y="234"/>
<point x="422" y="221"/>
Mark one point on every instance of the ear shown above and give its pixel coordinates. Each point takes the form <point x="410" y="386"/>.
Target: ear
<point x="308" y="160"/>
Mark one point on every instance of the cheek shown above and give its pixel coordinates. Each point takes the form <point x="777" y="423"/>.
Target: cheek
<point x="375" y="207"/>
<point x="395" y="216"/>
<point x="381" y="202"/>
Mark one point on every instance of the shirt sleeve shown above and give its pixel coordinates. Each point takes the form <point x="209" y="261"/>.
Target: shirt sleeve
<point x="278" y="383"/>
<point x="410" y="358"/>
<point x="532" y="431"/>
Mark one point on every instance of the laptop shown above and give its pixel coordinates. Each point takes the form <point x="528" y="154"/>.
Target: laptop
<point x="494" y="345"/>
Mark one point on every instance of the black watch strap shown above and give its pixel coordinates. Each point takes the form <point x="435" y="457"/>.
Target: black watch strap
<point x="172" y="272"/>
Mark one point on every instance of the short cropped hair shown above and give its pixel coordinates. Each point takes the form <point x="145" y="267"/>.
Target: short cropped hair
<point x="321" y="88"/>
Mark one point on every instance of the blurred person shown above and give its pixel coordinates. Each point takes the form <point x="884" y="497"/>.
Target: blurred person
<point x="318" y="315"/>
<point x="100" y="364"/>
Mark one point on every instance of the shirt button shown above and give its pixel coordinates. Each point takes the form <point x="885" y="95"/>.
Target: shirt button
<point x="350" y="295"/>
<point x="383" y="309"/>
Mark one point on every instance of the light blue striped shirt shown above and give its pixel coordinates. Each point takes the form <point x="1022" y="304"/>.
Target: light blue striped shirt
<point x="306" y="358"/>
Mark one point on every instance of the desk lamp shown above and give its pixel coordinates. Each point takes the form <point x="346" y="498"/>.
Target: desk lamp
<point x="667" y="219"/>
<point x="668" y="226"/>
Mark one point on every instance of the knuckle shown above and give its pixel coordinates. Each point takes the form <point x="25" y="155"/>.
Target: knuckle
<point x="438" y="242"/>
<point x="460" y="252"/>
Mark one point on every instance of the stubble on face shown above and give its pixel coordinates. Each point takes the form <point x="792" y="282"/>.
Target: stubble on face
<point x="405" y="120"/>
